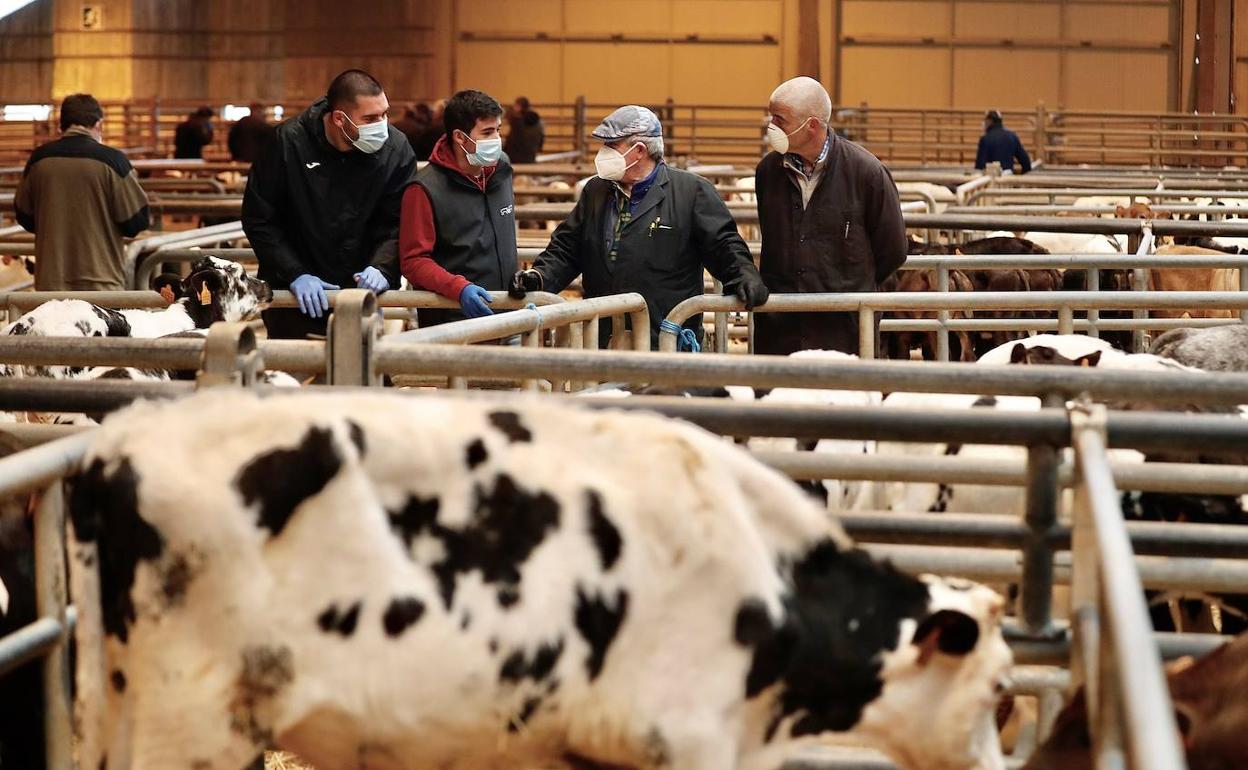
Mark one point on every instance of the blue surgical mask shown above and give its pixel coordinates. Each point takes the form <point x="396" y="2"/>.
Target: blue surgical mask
<point x="488" y="153"/>
<point x="372" y="135"/>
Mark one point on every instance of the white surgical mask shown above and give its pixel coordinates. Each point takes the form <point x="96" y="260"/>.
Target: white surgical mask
<point x="488" y="153"/>
<point x="372" y="135"/>
<point x="778" y="140"/>
<point x="611" y="165"/>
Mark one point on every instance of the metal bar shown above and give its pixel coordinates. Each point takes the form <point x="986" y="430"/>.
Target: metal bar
<point x="40" y="395"/>
<point x="977" y="530"/>
<point x="51" y="598"/>
<point x="501" y="325"/>
<point x="1150" y="729"/>
<point x="28" y="643"/>
<point x="1036" y="597"/>
<point x="777" y="371"/>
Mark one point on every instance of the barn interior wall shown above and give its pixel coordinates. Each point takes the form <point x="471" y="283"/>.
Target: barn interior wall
<point x="1103" y="54"/>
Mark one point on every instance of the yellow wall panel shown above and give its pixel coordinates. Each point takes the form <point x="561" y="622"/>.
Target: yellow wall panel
<point x="617" y="73"/>
<point x="1015" y="21"/>
<point x="894" y="18"/>
<point x="1102" y="80"/>
<point x="1137" y="24"/>
<point x="895" y="77"/>
<point x="485" y="66"/>
<point x="509" y="15"/>
<point x="1005" y="79"/>
<point x="746" y="18"/>
<point x="615" y="17"/>
<point x="731" y="75"/>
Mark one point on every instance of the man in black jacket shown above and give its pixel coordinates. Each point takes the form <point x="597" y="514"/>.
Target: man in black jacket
<point x="645" y="227"/>
<point x="1001" y="145"/>
<point x="322" y="204"/>
<point x="830" y="221"/>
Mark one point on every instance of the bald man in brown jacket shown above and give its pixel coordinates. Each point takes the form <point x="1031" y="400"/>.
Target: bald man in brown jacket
<point x="80" y="198"/>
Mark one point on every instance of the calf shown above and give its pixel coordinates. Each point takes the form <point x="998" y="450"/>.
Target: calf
<point x="216" y="290"/>
<point x="904" y="343"/>
<point x="1209" y="708"/>
<point x="1219" y="349"/>
<point x="413" y="582"/>
<point x="1193" y="279"/>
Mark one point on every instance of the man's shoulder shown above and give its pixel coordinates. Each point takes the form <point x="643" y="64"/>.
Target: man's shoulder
<point x="78" y="146"/>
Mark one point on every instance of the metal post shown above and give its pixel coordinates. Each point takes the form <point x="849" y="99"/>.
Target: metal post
<point x="866" y="332"/>
<point x="352" y="332"/>
<point x="942" y="316"/>
<point x="1093" y="284"/>
<point x="50" y="599"/>
<point x="1139" y="337"/>
<point x="578" y="125"/>
<point x="1065" y="320"/>
<point x="1243" y="286"/>
<point x="1043" y="489"/>
<point x="230" y="356"/>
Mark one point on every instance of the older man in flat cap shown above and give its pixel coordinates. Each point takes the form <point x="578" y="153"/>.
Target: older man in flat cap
<point x="642" y="226"/>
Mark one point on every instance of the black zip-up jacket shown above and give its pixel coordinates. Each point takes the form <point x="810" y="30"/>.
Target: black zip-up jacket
<point x="680" y="227"/>
<point x="1003" y="146"/>
<point x="310" y="208"/>
<point x="850" y="237"/>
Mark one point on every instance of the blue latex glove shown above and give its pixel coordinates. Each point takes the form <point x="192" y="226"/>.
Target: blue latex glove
<point x="310" y="291"/>
<point x="372" y="279"/>
<point x="475" y="301"/>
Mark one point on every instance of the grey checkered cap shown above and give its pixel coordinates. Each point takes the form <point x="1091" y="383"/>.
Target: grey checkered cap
<point x="628" y="120"/>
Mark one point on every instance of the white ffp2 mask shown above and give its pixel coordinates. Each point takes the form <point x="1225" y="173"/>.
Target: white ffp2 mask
<point x="778" y="140"/>
<point x="611" y="165"/>
<point x="372" y="135"/>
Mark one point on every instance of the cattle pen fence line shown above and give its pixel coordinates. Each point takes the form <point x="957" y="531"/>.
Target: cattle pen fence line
<point x="1101" y="541"/>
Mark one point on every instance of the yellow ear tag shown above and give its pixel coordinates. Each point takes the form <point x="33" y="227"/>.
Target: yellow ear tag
<point x="167" y="294"/>
<point x="205" y="296"/>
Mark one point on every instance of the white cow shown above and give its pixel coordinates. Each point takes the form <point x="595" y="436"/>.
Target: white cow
<point x="412" y="582"/>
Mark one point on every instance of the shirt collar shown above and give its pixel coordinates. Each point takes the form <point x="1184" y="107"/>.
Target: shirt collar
<point x="642" y="187"/>
<point x="798" y="164"/>
<point x="78" y="131"/>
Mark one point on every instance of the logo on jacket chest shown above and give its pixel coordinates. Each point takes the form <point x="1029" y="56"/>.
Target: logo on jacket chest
<point x="505" y="210"/>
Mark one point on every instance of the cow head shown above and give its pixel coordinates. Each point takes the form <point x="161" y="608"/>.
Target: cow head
<point x="1045" y="355"/>
<point x="1139" y="210"/>
<point x="220" y="290"/>
<point x="941" y="684"/>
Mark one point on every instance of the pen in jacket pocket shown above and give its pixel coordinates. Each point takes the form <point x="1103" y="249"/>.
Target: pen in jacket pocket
<point x="846" y="229"/>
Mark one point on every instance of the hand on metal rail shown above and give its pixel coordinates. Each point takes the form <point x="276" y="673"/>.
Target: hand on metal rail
<point x="372" y="279"/>
<point x="310" y="291"/>
<point x="524" y="281"/>
<point x="475" y="301"/>
<point x="749" y="288"/>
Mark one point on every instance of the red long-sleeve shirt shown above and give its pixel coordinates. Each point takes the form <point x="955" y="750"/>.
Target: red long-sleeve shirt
<point x="418" y="232"/>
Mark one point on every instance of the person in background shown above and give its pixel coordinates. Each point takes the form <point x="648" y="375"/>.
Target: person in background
<point x="525" y="132"/>
<point x="250" y="135"/>
<point x="643" y="226"/>
<point x="193" y="134"/>
<point x="1000" y="145"/>
<point x="433" y="131"/>
<point x="321" y="207"/>
<point x="80" y="198"/>
<point x="457" y="235"/>
<point x="830" y="221"/>
<point x="410" y="126"/>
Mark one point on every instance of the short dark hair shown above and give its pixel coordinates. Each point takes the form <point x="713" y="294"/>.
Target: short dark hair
<point x="349" y="86"/>
<point x="523" y="101"/>
<point x="204" y="112"/>
<point x="467" y="107"/>
<point x="80" y="110"/>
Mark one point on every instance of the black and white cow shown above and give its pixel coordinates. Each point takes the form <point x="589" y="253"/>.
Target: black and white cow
<point x="215" y="290"/>
<point x="414" y="582"/>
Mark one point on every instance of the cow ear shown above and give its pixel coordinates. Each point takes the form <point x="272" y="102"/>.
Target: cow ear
<point x="1018" y="353"/>
<point x="1120" y="212"/>
<point x="947" y="631"/>
<point x="168" y="286"/>
<point x="201" y="288"/>
<point x="1090" y="360"/>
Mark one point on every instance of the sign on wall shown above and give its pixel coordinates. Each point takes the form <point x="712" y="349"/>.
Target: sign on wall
<point x="92" y="17"/>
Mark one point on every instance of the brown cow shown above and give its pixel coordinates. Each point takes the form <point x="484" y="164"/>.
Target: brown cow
<point x="903" y="343"/>
<point x="1210" y="708"/>
<point x="1193" y="279"/>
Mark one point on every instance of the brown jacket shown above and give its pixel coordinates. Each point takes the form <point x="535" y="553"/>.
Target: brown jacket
<point x="80" y="198"/>
<point x="849" y="238"/>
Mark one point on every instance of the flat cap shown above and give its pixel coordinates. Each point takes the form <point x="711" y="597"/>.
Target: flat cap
<point x="628" y="120"/>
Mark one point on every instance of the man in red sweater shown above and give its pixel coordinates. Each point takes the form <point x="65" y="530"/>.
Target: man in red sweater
<point x="457" y="230"/>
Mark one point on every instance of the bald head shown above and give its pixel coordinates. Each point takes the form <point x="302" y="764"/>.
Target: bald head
<point x="802" y="98"/>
